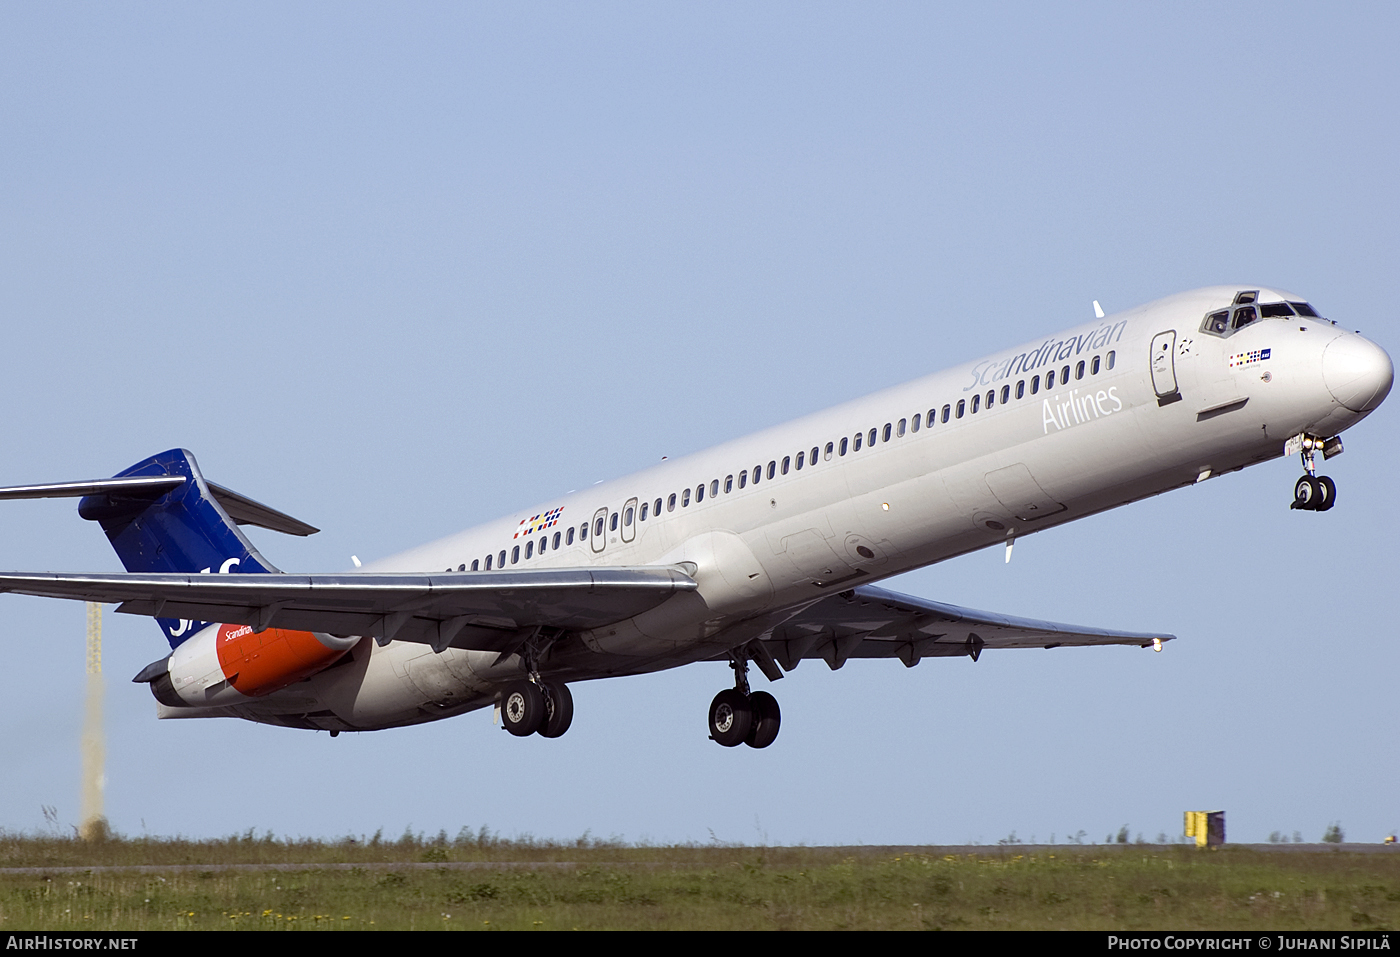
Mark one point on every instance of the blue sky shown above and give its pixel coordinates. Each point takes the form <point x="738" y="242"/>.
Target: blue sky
<point x="399" y="269"/>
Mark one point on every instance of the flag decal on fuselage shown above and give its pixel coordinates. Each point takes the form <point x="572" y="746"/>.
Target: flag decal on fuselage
<point x="538" y="523"/>
<point x="1249" y="358"/>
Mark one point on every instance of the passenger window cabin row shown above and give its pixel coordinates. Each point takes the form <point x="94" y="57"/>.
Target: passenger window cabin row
<point x="790" y="463"/>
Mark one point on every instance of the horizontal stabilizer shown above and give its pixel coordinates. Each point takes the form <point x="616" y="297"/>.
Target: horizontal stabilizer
<point x="477" y="610"/>
<point x="137" y="486"/>
<point x="245" y="511"/>
<point x="240" y="508"/>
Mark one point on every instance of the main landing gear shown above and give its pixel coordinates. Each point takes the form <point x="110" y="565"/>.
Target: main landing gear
<point x="1313" y="492"/>
<point x="738" y="716"/>
<point x="537" y="707"/>
<point x="533" y="705"/>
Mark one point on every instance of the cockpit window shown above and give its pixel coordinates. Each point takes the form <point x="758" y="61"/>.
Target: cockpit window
<point x="1247" y="309"/>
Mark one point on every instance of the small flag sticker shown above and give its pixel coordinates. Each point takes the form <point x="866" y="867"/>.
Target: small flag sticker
<point x="538" y="523"/>
<point x="1249" y="358"/>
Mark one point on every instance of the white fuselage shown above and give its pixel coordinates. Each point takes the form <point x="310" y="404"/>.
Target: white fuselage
<point x="929" y="486"/>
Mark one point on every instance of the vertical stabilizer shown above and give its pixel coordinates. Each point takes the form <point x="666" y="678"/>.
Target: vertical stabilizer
<point x="184" y="529"/>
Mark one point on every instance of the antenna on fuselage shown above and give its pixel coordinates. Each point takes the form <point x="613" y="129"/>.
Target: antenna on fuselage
<point x="1098" y="310"/>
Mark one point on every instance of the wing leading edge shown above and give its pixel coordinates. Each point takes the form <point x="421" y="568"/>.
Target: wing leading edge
<point x="483" y="611"/>
<point x="871" y="622"/>
<point x="486" y="611"/>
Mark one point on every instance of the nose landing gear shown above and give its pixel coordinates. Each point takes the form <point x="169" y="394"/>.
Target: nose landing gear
<point x="738" y="716"/>
<point x="1316" y="494"/>
<point x="1313" y="492"/>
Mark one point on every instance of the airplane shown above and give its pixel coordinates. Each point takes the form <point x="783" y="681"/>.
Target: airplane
<point x="765" y="550"/>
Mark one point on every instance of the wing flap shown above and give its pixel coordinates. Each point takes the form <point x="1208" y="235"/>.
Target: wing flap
<point x="483" y="610"/>
<point x="871" y="622"/>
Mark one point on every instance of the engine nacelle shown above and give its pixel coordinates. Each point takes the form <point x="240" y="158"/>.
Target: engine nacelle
<point x="228" y="664"/>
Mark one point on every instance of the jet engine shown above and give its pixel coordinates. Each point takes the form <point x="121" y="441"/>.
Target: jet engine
<point x="227" y="664"/>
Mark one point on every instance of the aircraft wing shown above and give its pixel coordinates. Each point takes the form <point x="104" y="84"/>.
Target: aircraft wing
<point x="870" y="622"/>
<point x="485" y="611"/>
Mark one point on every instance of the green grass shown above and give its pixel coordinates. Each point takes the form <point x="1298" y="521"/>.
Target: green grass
<point x="521" y="885"/>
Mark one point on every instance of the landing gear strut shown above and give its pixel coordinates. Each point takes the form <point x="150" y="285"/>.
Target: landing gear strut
<point x="738" y="716"/>
<point x="1313" y="492"/>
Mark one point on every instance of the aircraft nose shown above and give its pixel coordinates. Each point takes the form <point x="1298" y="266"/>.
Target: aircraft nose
<point x="1358" y="372"/>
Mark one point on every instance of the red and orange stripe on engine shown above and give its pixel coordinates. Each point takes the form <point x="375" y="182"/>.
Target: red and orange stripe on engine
<point x="260" y="663"/>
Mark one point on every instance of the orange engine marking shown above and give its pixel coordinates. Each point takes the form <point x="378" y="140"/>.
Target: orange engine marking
<point x="259" y="664"/>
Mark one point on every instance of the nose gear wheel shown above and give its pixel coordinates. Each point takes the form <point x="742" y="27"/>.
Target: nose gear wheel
<point x="1314" y="494"/>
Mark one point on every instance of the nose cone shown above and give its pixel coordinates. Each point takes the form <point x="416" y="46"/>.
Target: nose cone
<point x="1358" y="372"/>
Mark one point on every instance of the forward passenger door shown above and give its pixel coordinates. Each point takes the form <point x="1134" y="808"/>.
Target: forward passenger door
<point x="1164" y="367"/>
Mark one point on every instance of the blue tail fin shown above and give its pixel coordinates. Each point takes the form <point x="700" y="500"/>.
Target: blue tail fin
<point x="182" y="530"/>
